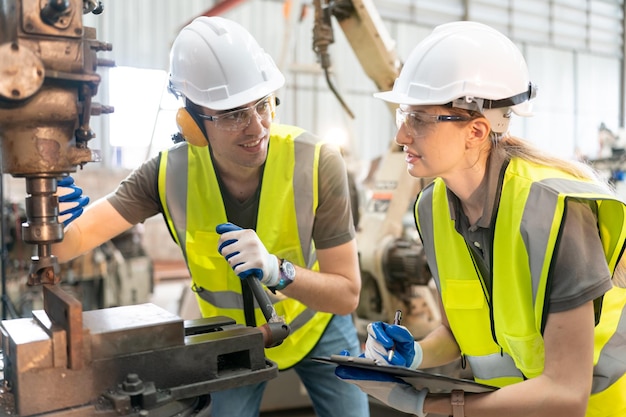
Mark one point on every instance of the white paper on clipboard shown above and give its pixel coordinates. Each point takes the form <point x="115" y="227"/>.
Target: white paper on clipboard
<point x="435" y="383"/>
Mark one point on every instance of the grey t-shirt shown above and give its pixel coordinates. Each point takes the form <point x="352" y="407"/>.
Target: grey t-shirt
<point x="581" y="273"/>
<point x="137" y="198"/>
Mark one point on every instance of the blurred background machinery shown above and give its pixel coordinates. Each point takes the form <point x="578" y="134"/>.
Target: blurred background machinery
<point x="393" y="264"/>
<point x="394" y="272"/>
<point x="116" y="273"/>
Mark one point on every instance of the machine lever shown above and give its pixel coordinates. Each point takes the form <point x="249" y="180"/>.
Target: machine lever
<point x="275" y="330"/>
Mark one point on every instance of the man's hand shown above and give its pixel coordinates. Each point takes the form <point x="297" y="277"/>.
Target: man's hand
<point x="386" y="388"/>
<point x="71" y="200"/>
<point x="381" y="337"/>
<point x="247" y="255"/>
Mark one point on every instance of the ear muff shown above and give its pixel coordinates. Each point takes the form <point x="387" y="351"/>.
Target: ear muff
<point x="188" y="127"/>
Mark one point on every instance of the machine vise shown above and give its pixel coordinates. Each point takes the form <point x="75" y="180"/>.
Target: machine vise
<point x="123" y="361"/>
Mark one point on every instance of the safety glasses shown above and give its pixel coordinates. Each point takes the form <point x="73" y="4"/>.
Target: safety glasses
<point x="239" y="119"/>
<point x="420" y="124"/>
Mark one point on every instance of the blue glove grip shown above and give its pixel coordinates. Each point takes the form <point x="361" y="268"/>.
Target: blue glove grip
<point x="256" y="272"/>
<point x="75" y="196"/>
<point x="65" y="181"/>
<point x="68" y="182"/>
<point x="75" y="212"/>
<point x="399" y="334"/>
<point x="389" y="335"/>
<point x="82" y="202"/>
<point x="72" y="196"/>
<point x="379" y="329"/>
<point x="226" y="227"/>
<point x="229" y="227"/>
<point x="224" y="244"/>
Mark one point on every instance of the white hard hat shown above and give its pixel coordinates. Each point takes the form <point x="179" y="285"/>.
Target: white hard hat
<point x="216" y="63"/>
<point x="470" y="65"/>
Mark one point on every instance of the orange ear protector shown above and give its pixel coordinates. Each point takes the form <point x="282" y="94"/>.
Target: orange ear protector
<point x="188" y="127"/>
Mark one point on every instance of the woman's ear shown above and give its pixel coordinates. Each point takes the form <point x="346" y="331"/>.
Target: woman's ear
<point x="188" y="127"/>
<point x="479" y="132"/>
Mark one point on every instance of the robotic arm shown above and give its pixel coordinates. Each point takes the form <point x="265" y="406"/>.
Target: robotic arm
<point x="393" y="265"/>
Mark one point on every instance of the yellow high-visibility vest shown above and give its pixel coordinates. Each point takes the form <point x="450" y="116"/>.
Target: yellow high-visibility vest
<point x="193" y="207"/>
<point x="499" y="328"/>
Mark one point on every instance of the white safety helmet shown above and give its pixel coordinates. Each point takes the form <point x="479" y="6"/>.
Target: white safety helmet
<point x="470" y="65"/>
<point x="216" y="63"/>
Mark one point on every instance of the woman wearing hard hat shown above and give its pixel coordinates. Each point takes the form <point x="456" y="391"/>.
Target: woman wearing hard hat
<point x="525" y="248"/>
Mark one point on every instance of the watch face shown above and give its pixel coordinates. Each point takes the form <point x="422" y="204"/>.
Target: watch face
<point x="288" y="271"/>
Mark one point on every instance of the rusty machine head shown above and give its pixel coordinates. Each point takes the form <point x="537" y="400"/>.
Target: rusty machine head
<point x="47" y="80"/>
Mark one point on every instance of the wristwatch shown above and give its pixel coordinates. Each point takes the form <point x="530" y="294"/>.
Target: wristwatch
<point x="287" y="275"/>
<point x="457" y="399"/>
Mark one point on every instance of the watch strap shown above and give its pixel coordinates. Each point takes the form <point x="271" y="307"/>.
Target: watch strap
<point x="282" y="283"/>
<point x="457" y="399"/>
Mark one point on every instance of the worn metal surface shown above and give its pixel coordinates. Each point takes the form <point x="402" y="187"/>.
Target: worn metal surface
<point x="179" y="359"/>
<point x="48" y="79"/>
<point x="48" y="63"/>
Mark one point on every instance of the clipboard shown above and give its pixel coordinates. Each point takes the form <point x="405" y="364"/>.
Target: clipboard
<point x="436" y="383"/>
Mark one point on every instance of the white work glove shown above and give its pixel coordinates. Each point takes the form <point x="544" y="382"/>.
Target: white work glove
<point x="381" y="337"/>
<point x="71" y="200"/>
<point x="386" y="388"/>
<point x="247" y="255"/>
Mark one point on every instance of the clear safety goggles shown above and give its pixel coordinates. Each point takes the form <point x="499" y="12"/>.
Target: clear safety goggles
<point x="419" y="124"/>
<point x="239" y="119"/>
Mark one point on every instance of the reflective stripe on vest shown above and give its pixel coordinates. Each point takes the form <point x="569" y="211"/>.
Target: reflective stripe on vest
<point x="193" y="207"/>
<point x="509" y="320"/>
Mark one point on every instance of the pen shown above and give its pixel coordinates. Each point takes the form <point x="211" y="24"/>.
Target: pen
<point x="397" y="319"/>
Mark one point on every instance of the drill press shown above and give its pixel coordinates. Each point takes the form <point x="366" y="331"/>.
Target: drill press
<point x="124" y="361"/>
